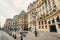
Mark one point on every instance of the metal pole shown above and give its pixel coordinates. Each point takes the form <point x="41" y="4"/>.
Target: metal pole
<point x="21" y="36"/>
<point x="15" y="30"/>
<point x="35" y="27"/>
<point x="21" y="32"/>
<point x="35" y="32"/>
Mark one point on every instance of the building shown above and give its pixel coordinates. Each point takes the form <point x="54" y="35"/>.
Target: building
<point x="23" y="20"/>
<point x="32" y="10"/>
<point x="8" y="26"/>
<point x="42" y="14"/>
<point x="15" y="20"/>
<point x="26" y="21"/>
<point x="17" y="23"/>
<point x="47" y="15"/>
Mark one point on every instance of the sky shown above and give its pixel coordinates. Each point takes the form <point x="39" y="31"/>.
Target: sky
<point x="9" y="8"/>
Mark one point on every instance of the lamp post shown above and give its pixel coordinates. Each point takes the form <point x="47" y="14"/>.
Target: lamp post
<point x="22" y="25"/>
<point x="21" y="33"/>
<point x="15" y="30"/>
<point x="34" y="16"/>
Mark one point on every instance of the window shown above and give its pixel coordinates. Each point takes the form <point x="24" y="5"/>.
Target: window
<point x="39" y="23"/>
<point x="46" y="7"/>
<point x="46" y="26"/>
<point x="53" y="2"/>
<point x="45" y="22"/>
<point x="47" y="14"/>
<point x="49" y="3"/>
<point x="39" y="27"/>
<point x="43" y="7"/>
<point x="55" y="6"/>
<point x="54" y="9"/>
<point x="9" y="22"/>
<point x="53" y="21"/>
<point x="58" y="20"/>
<point x="59" y="26"/>
<point x="42" y="22"/>
<point x="49" y="22"/>
<point x="42" y="27"/>
<point x="50" y="9"/>
<point x="42" y="0"/>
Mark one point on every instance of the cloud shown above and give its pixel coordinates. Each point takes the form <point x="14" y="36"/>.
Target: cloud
<point x="2" y="20"/>
<point x="6" y="11"/>
<point x="22" y="3"/>
<point x="8" y="8"/>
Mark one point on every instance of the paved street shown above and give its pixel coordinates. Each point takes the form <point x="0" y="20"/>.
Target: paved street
<point x="30" y="36"/>
<point x="42" y="36"/>
<point x="4" y="36"/>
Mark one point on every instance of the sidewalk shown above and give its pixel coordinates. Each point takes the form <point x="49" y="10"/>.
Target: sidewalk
<point x="10" y="37"/>
<point x="41" y="36"/>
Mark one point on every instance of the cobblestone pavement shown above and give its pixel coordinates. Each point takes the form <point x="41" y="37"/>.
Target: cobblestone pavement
<point x="5" y="36"/>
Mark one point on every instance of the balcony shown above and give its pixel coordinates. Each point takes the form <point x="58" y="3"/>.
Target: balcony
<point x="42" y="16"/>
<point x="53" y="12"/>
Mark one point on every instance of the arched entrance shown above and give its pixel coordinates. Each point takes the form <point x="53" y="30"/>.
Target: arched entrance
<point x="53" y="28"/>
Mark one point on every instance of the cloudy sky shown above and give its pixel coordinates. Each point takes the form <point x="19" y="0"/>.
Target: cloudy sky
<point x="9" y="8"/>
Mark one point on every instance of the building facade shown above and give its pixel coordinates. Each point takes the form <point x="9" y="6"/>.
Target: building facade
<point x="42" y="14"/>
<point x="8" y="26"/>
<point x="23" y="20"/>
<point x="47" y="15"/>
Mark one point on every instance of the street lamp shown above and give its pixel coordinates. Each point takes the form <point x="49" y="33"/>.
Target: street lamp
<point x="21" y="34"/>
<point x="34" y="16"/>
<point x="15" y="30"/>
<point x="22" y="24"/>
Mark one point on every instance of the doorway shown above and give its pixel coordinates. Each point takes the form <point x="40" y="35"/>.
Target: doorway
<point x="53" y="28"/>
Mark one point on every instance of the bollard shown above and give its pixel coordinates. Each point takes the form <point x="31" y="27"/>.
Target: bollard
<point x="15" y="36"/>
<point x="36" y="33"/>
<point x="21" y="37"/>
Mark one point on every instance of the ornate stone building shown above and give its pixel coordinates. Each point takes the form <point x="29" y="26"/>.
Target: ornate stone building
<point x="47" y="15"/>
<point x="23" y="20"/>
<point x="42" y="14"/>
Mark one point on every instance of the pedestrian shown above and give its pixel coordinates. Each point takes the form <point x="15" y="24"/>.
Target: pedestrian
<point x="15" y="36"/>
<point x="21" y="37"/>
